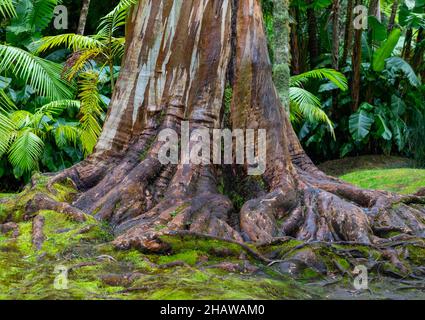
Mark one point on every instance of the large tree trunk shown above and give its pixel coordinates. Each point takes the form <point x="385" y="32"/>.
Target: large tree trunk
<point x="178" y="71"/>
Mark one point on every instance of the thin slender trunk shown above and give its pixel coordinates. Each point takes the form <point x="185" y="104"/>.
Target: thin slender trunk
<point x="295" y="49"/>
<point x="356" y="66"/>
<point x="418" y="57"/>
<point x="313" y="43"/>
<point x="375" y="9"/>
<point x="393" y="15"/>
<point x="83" y="17"/>
<point x="407" y="48"/>
<point x="336" y="8"/>
<point x="348" y="35"/>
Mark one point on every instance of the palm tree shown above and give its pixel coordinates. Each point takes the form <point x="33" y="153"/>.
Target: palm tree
<point x="104" y="45"/>
<point x="23" y="132"/>
<point x="304" y="104"/>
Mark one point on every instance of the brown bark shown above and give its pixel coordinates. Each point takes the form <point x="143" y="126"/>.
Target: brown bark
<point x="179" y="72"/>
<point x="336" y="7"/>
<point x="295" y="49"/>
<point x="356" y="61"/>
<point x="407" y="48"/>
<point x="393" y="15"/>
<point x="348" y="34"/>
<point x="375" y="9"/>
<point x="418" y="57"/>
<point x="83" y="17"/>
<point x="313" y="42"/>
<point x="37" y="232"/>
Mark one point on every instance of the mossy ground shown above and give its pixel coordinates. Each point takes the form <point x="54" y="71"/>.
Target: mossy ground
<point x="97" y="271"/>
<point x="193" y="268"/>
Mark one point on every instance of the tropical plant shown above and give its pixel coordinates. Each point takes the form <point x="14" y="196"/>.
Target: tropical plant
<point x="304" y="104"/>
<point x="7" y="8"/>
<point x="104" y="46"/>
<point x="24" y="133"/>
<point x="42" y="125"/>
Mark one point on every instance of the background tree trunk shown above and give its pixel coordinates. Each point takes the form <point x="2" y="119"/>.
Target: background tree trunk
<point x="356" y="66"/>
<point x="282" y="55"/>
<point x="295" y="48"/>
<point x="348" y="34"/>
<point x="313" y="43"/>
<point x="179" y="71"/>
<point x="336" y="8"/>
<point x="83" y="17"/>
<point x="393" y="15"/>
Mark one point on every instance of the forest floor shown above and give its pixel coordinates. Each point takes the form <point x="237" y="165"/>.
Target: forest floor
<point x="77" y="261"/>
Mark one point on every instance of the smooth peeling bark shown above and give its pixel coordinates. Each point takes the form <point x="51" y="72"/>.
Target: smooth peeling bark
<point x="180" y="56"/>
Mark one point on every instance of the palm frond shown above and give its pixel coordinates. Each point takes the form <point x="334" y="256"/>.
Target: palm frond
<point x="26" y="150"/>
<point x="56" y="107"/>
<point x="6" y="104"/>
<point x="90" y="110"/>
<point x="309" y="106"/>
<point x="332" y="75"/>
<point x="7" y="9"/>
<point x="41" y="13"/>
<point x="72" y="41"/>
<point x="79" y="61"/>
<point x="65" y="134"/>
<point x="21" y="118"/>
<point x="118" y="47"/>
<point x="115" y="19"/>
<point x="7" y="129"/>
<point x="42" y="75"/>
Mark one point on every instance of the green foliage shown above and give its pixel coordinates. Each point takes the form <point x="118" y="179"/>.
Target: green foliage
<point x="391" y="113"/>
<point x="385" y="51"/>
<point x="7" y="9"/>
<point x="51" y="115"/>
<point x="304" y="104"/>
<point x="42" y="75"/>
<point x="360" y="124"/>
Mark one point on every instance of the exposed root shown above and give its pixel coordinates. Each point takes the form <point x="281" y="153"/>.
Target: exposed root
<point x="10" y="227"/>
<point x="44" y="202"/>
<point x="37" y="232"/>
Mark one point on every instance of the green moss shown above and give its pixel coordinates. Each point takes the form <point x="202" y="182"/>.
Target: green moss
<point x="416" y="254"/>
<point x="309" y="273"/>
<point x="14" y="208"/>
<point x="403" y="180"/>
<point x="190" y="257"/>
<point x="179" y="210"/>
<point x="202" y="246"/>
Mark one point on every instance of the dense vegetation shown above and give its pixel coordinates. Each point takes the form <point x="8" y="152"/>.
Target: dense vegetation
<point x="352" y="91"/>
